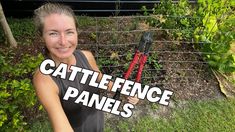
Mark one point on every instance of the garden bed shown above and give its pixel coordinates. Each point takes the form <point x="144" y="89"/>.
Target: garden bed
<point x="172" y="64"/>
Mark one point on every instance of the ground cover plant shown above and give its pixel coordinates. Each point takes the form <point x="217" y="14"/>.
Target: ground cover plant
<point x="189" y="41"/>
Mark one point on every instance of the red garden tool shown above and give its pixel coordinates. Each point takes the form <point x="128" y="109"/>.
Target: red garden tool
<point x="140" y="57"/>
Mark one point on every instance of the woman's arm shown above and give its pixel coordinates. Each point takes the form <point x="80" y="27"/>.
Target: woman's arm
<point x="48" y="94"/>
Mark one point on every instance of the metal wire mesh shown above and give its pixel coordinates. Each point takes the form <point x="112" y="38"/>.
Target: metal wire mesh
<point x="172" y="63"/>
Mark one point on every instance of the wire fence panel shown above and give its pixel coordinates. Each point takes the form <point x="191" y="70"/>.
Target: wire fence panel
<point x="173" y="63"/>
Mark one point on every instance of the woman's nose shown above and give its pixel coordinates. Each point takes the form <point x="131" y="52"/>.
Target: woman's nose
<point x="62" y="39"/>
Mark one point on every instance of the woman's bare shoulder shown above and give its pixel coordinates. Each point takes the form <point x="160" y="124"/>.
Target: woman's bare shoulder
<point x="39" y="77"/>
<point x="87" y="53"/>
<point x="43" y="82"/>
<point x="91" y="59"/>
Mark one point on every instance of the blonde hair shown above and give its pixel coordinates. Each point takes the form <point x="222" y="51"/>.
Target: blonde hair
<point x="48" y="9"/>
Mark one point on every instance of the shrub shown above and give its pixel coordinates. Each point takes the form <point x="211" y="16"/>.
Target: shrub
<point x="16" y="92"/>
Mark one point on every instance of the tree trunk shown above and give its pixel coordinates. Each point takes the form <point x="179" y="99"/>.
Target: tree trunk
<point x="7" y="31"/>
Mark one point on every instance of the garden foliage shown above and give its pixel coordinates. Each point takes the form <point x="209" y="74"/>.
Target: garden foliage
<point x="209" y="25"/>
<point x="17" y="96"/>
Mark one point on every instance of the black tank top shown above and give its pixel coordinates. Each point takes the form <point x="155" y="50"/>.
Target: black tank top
<point x="81" y="118"/>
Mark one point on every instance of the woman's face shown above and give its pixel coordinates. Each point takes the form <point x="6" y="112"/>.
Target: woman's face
<point x="60" y="35"/>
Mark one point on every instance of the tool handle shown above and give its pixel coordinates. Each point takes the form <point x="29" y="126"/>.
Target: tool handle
<point x="132" y="64"/>
<point x="143" y="60"/>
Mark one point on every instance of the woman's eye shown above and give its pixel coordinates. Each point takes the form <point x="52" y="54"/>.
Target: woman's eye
<point x="70" y="32"/>
<point x="52" y="34"/>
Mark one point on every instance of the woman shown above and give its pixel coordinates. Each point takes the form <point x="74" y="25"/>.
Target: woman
<point x="57" y="26"/>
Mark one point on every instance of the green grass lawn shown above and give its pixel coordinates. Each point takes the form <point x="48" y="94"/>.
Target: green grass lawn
<point x="196" y="116"/>
<point x="209" y="116"/>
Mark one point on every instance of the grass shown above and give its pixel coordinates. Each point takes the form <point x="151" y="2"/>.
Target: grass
<point x="197" y="116"/>
<point x="207" y="116"/>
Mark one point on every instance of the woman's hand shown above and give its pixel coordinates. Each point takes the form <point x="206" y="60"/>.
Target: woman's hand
<point x="133" y="100"/>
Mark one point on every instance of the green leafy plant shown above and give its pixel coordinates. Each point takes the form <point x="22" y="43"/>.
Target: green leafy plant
<point x="210" y="23"/>
<point x="175" y="19"/>
<point x="153" y="61"/>
<point x="216" y="31"/>
<point x="16" y="92"/>
<point x="22" y="29"/>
